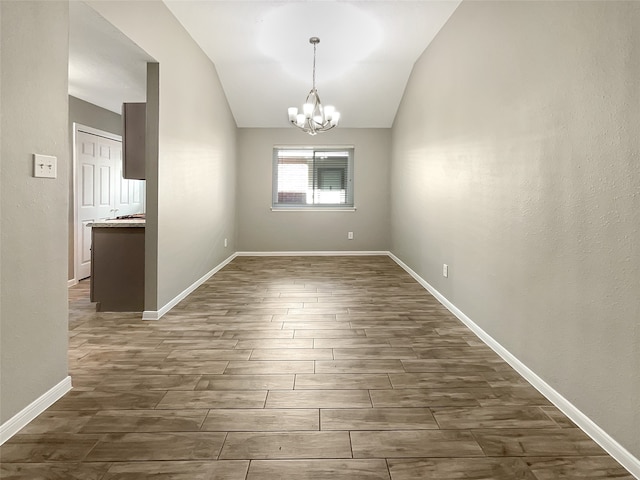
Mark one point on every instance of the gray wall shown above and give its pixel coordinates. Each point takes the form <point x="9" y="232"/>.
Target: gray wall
<point x="195" y="179"/>
<point x="260" y="229"/>
<point x="33" y="220"/>
<point x="516" y="161"/>
<point x="89" y="115"/>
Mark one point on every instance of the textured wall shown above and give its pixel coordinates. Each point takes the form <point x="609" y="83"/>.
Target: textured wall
<point x="260" y="229"/>
<point x="516" y="161"/>
<point x="33" y="221"/>
<point x="197" y="150"/>
<point x="89" y="115"/>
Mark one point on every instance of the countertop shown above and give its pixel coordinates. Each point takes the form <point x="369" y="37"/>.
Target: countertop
<point x="119" y="223"/>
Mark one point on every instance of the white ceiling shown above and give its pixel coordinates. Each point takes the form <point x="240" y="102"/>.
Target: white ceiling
<point x="105" y="67"/>
<point x="263" y="57"/>
<point x="262" y="54"/>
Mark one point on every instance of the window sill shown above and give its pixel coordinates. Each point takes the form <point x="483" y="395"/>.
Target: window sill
<point x="313" y="209"/>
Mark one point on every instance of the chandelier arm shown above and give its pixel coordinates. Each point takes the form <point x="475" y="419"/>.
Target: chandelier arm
<point x="304" y="128"/>
<point x="311" y="128"/>
<point x="320" y="109"/>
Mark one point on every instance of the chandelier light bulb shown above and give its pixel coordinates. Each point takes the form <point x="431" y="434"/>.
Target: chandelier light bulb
<point x="329" y="110"/>
<point x="315" y="118"/>
<point x="307" y="108"/>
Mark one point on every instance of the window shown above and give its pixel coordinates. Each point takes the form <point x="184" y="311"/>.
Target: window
<point x="312" y="177"/>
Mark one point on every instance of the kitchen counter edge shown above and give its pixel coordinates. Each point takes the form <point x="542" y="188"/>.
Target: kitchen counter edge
<point x="123" y="223"/>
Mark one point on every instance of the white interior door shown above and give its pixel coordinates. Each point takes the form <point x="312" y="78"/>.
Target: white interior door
<point x="101" y="192"/>
<point x="129" y="197"/>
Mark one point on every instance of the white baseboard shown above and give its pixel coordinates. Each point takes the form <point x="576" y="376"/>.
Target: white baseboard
<point x="20" y="420"/>
<point x="312" y="254"/>
<point x="72" y="282"/>
<point x="158" y="314"/>
<point x="602" y="438"/>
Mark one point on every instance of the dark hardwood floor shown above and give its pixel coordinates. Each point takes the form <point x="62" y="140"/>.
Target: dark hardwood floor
<point x="296" y="368"/>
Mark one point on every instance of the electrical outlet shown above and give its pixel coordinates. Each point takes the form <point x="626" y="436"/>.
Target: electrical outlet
<point x="350" y="236"/>
<point x="45" y="166"/>
<point x="445" y="270"/>
<point x="225" y="243"/>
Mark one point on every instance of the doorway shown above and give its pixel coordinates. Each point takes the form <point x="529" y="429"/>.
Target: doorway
<point x="100" y="192"/>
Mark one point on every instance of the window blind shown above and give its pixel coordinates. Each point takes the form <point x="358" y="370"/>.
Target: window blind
<point x="309" y="177"/>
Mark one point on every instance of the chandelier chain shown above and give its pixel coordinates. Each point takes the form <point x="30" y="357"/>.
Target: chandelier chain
<point x="314" y="66"/>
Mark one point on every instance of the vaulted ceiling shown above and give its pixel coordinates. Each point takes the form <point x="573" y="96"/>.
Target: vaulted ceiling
<point x="105" y="67"/>
<point x="262" y="54"/>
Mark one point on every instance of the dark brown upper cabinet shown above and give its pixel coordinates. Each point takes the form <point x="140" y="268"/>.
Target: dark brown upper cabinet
<point x="134" y="116"/>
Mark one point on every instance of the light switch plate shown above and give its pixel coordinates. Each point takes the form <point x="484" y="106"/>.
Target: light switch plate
<point x="45" y="166"/>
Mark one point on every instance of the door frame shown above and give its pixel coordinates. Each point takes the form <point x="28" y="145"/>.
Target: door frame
<point x="74" y="166"/>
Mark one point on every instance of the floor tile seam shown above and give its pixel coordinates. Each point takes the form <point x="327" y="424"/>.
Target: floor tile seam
<point x="541" y="408"/>
<point x="301" y="390"/>
<point x="418" y="457"/>
<point x="474" y="433"/>
<point x="226" y="367"/>
<point x="204" y="421"/>
<point x="351" y="445"/>
<point x="106" y="471"/>
<point x="549" y="456"/>
<point x="222" y="446"/>
<point x="537" y="429"/>
<point x="84" y="457"/>
<point x="424" y="430"/>
<point x="311" y="388"/>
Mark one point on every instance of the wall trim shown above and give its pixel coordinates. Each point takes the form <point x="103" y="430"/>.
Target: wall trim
<point x="158" y="314"/>
<point x="602" y="438"/>
<point x="313" y="253"/>
<point x="21" y="419"/>
<point x="72" y="282"/>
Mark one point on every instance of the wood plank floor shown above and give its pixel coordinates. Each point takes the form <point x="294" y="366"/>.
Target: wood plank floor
<point x="296" y="367"/>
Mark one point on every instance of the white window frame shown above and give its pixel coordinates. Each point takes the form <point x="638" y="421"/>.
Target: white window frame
<point x="349" y="205"/>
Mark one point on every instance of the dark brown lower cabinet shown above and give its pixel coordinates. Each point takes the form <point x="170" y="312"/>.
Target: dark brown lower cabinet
<point x="117" y="268"/>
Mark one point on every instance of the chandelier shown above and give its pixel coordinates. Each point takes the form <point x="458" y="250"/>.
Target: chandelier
<point x="315" y="118"/>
